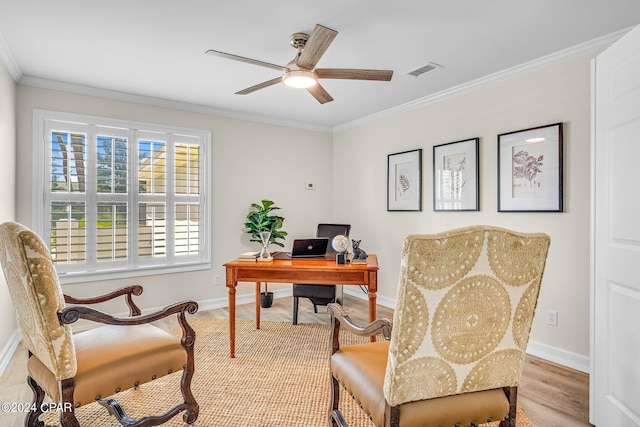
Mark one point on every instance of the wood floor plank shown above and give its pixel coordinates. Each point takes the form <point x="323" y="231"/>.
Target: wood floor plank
<point x="554" y="395"/>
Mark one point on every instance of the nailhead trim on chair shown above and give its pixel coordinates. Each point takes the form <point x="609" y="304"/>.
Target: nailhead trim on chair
<point x="136" y="385"/>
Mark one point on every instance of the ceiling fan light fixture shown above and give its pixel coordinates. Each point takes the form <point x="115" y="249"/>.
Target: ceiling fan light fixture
<point x="300" y="79"/>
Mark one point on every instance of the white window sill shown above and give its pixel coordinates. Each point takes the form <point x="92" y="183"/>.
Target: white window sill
<point x="78" y="277"/>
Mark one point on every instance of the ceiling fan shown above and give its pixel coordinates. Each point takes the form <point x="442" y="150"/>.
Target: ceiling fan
<point x="301" y="72"/>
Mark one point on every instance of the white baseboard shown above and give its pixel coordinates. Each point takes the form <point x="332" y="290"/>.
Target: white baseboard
<point x="9" y="350"/>
<point x="559" y="356"/>
<point x="381" y="300"/>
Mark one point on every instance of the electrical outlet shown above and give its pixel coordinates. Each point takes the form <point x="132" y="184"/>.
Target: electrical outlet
<point x="309" y="186"/>
<point x="217" y="280"/>
<point x="552" y="317"/>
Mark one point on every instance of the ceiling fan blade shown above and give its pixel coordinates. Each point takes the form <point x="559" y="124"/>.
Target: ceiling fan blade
<point x="316" y="46"/>
<point x="260" y="86"/>
<point x="319" y="93"/>
<point x="247" y="60"/>
<point x="354" y="74"/>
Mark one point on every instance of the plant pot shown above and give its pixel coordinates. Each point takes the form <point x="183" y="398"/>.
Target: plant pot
<point x="266" y="299"/>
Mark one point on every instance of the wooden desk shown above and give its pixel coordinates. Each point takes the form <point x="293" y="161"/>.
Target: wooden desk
<point x="324" y="271"/>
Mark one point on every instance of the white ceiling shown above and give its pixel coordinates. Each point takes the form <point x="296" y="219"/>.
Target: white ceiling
<point x="155" y="48"/>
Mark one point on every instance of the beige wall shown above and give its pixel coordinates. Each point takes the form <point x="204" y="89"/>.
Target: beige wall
<point x="7" y="188"/>
<point x="557" y="94"/>
<point x="250" y="161"/>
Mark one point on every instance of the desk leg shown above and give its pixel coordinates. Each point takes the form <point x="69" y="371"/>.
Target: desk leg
<point x="231" y="285"/>
<point x="372" y="309"/>
<point x="373" y="295"/>
<point x="258" y="304"/>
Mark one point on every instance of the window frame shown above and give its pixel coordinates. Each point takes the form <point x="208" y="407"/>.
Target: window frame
<point x="133" y="266"/>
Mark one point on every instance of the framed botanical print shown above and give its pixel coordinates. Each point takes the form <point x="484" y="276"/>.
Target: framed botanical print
<point x="456" y="176"/>
<point x="530" y="175"/>
<point x="404" y="181"/>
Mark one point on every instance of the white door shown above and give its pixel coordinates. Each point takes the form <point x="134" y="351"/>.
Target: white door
<point x="615" y="373"/>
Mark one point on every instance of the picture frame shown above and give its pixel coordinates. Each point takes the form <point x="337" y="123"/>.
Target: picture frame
<point x="456" y="176"/>
<point x="404" y="181"/>
<point x="530" y="170"/>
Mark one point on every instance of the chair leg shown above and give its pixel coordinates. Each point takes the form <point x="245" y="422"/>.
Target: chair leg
<point x="295" y="310"/>
<point x="68" y="416"/>
<point x="32" y="418"/>
<point x="335" y="416"/>
<point x="512" y="395"/>
<point x="192" y="408"/>
<point x="188" y="342"/>
<point x="392" y="415"/>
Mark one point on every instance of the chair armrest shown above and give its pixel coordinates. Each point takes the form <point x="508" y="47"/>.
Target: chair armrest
<point x="73" y="313"/>
<point x="134" y="310"/>
<point x="339" y="316"/>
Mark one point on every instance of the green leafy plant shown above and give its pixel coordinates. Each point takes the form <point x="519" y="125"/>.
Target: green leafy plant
<point x="260" y="218"/>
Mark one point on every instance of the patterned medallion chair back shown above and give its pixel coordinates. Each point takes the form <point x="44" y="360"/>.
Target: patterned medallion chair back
<point x="465" y="304"/>
<point x="37" y="296"/>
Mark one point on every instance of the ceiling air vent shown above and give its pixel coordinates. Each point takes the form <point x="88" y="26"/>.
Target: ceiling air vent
<point x="431" y="66"/>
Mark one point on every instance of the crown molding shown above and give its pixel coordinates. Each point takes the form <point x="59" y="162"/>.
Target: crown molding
<point x="7" y="57"/>
<point x="161" y="102"/>
<point x="586" y="48"/>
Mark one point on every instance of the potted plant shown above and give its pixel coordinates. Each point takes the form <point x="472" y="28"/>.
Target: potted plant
<point x="261" y="219"/>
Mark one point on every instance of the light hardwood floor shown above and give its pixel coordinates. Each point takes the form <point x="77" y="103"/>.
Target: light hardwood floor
<point x="551" y="395"/>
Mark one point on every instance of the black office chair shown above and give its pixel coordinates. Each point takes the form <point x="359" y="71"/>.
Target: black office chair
<point x="320" y="294"/>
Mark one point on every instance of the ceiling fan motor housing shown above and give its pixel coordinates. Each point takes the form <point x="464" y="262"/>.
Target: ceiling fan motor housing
<point x="299" y="40"/>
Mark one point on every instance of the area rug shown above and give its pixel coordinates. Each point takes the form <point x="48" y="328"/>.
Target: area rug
<point x="280" y="376"/>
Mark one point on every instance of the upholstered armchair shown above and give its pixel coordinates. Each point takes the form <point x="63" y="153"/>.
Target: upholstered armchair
<point x="464" y="309"/>
<point x="74" y="369"/>
<point x="320" y="294"/>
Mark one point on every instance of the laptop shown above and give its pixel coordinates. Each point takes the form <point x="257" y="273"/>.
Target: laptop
<point x="308" y="248"/>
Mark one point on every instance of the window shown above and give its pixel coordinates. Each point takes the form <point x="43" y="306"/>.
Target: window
<point x="117" y="198"/>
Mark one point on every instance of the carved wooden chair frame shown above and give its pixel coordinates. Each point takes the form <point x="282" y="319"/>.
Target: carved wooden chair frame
<point x="72" y="313"/>
<point x="383" y="326"/>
